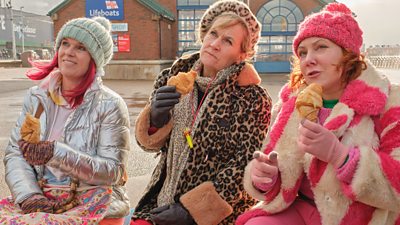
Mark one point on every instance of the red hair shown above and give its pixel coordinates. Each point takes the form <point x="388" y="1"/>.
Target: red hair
<point x="74" y="97"/>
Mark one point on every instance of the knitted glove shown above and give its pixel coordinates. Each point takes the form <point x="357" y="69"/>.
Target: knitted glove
<point x="37" y="154"/>
<point x="164" y="100"/>
<point x="171" y="215"/>
<point x="322" y="143"/>
<point x="264" y="170"/>
<point x="38" y="203"/>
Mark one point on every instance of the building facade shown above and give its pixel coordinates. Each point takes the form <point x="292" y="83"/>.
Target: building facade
<point x="31" y="32"/>
<point x="155" y="32"/>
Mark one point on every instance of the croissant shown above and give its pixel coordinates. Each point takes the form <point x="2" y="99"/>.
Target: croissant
<point x="30" y="129"/>
<point x="183" y="81"/>
<point x="309" y="101"/>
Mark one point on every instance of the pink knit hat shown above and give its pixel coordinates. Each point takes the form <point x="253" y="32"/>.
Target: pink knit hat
<point x="336" y="23"/>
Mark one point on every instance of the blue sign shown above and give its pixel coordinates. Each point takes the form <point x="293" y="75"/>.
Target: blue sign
<point x="112" y="10"/>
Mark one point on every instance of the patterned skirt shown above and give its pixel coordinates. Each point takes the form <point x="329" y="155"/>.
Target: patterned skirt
<point x="92" y="208"/>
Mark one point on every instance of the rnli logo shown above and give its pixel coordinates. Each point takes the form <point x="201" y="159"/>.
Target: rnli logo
<point x="111" y="5"/>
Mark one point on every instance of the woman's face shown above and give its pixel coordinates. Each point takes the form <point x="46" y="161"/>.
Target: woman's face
<point x="73" y="60"/>
<point x="319" y="60"/>
<point x="222" y="48"/>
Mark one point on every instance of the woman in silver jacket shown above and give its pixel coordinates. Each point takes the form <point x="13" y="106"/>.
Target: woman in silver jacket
<point x="75" y="173"/>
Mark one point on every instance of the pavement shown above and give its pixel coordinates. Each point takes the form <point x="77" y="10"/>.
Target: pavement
<point x="13" y="86"/>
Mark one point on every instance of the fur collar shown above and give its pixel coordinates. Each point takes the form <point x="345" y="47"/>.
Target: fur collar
<point x="367" y="94"/>
<point x="247" y="76"/>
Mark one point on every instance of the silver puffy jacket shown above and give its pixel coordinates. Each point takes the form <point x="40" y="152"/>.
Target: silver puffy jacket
<point x="95" y="147"/>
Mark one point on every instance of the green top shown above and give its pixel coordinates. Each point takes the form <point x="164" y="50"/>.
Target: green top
<point x="329" y="103"/>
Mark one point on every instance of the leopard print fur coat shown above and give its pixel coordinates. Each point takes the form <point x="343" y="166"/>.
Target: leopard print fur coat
<point x="234" y="125"/>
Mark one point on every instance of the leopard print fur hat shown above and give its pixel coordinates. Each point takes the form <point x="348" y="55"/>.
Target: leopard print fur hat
<point x="238" y="8"/>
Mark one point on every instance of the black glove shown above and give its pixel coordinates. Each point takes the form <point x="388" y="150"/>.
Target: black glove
<point x="37" y="154"/>
<point x="171" y="215"/>
<point x="164" y="100"/>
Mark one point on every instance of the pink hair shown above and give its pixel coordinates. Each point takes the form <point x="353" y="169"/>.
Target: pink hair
<point x="40" y="70"/>
<point x="74" y="97"/>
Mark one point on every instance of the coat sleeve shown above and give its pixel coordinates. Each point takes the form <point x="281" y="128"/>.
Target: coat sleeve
<point x="153" y="142"/>
<point x="257" y="119"/>
<point x="19" y="175"/>
<point x="107" y="167"/>
<point x="379" y="169"/>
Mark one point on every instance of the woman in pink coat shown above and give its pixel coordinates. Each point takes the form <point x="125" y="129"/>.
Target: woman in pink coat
<point x="344" y="168"/>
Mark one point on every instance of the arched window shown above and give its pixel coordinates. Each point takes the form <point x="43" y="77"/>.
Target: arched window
<point x="280" y="19"/>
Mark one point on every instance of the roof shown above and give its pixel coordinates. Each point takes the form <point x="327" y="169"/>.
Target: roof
<point x="58" y="7"/>
<point x="157" y="8"/>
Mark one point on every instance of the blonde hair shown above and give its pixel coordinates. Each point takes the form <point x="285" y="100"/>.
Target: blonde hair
<point x="228" y="20"/>
<point x="352" y="64"/>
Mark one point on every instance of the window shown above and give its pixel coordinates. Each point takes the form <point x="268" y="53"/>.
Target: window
<point x="280" y="19"/>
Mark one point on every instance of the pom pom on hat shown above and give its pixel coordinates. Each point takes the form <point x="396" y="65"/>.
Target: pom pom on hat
<point x="104" y="22"/>
<point x="338" y="7"/>
<point x="336" y="23"/>
<point x="94" y="34"/>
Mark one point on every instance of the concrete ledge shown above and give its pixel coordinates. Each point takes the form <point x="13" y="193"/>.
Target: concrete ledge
<point x="10" y="63"/>
<point x="135" y="69"/>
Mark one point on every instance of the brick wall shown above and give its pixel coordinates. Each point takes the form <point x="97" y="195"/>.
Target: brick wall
<point x="143" y="29"/>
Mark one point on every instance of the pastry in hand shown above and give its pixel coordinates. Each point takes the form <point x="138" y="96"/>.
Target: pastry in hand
<point x="30" y="129"/>
<point x="183" y="81"/>
<point x="309" y="102"/>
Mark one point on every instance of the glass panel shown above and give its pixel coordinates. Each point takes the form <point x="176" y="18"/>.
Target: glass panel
<point x="185" y="14"/>
<point x="278" y="39"/>
<point x="181" y="25"/>
<point x="180" y="46"/>
<point x="290" y="39"/>
<point x="206" y="2"/>
<point x="186" y="36"/>
<point x="285" y="12"/>
<point x="182" y="2"/>
<point x="263" y="48"/>
<point x="265" y="39"/>
<point x="298" y="14"/>
<point x="291" y="18"/>
<point x="274" y="11"/>
<point x="199" y="14"/>
<point x="288" y="47"/>
<point x="266" y="27"/>
<point x="292" y="27"/>
<point x="267" y="19"/>
<point x="279" y="24"/>
<point x="272" y="4"/>
<point x="193" y="2"/>
<point x="278" y="48"/>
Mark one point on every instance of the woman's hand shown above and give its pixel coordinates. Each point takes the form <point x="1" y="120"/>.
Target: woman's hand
<point x="38" y="203"/>
<point x="171" y="214"/>
<point x="264" y="170"/>
<point x="37" y="154"/>
<point x="322" y="143"/>
<point x="164" y="100"/>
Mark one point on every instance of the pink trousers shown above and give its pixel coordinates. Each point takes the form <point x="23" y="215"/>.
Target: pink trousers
<point x="299" y="213"/>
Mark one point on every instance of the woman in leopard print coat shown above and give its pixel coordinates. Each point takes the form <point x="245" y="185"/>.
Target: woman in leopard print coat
<point x="227" y="115"/>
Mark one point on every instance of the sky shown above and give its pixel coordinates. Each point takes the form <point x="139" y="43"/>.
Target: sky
<point x="377" y="18"/>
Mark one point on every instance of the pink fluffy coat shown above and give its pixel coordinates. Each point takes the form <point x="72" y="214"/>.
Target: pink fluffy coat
<point x="367" y="117"/>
